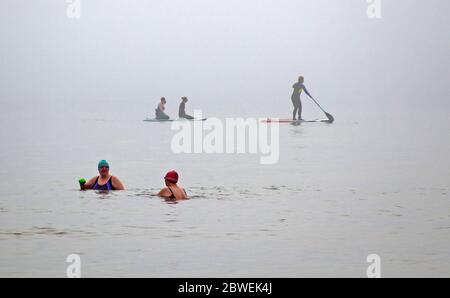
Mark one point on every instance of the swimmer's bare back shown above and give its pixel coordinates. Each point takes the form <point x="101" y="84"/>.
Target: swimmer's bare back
<point x="173" y="192"/>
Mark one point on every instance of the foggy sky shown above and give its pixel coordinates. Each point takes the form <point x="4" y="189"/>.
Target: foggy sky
<point x="238" y="56"/>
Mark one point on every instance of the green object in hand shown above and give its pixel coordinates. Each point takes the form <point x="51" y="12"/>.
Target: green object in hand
<point x="82" y="181"/>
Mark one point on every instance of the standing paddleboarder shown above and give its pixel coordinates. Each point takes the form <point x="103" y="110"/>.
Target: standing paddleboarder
<point x="298" y="88"/>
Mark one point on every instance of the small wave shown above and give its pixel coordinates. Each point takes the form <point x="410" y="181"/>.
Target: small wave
<point x="274" y="187"/>
<point x="45" y="231"/>
<point x="202" y="193"/>
<point x="140" y="227"/>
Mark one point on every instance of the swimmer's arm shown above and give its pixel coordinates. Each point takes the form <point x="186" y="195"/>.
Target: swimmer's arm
<point x="165" y="193"/>
<point x="185" y="193"/>
<point x="118" y="185"/>
<point x="89" y="184"/>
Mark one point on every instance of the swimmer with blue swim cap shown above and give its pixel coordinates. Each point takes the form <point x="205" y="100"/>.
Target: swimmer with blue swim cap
<point x="103" y="163"/>
<point x="104" y="181"/>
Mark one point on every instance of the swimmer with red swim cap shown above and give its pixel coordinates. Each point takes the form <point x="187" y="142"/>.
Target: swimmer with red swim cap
<point x="172" y="190"/>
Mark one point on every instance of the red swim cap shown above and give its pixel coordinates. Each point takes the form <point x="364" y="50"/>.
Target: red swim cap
<point x="172" y="177"/>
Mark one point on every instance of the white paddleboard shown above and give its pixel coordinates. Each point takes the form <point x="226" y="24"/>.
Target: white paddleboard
<point x="171" y="120"/>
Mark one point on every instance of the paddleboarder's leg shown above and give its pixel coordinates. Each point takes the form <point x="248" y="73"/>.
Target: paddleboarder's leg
<point x="188" y="117"/>
<point x="299" y="110"/>
<point x="162" y="116"/>
<point x="296" y="103"/>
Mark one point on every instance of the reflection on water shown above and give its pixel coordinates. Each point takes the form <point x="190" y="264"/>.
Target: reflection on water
<point x="174" y="201"/>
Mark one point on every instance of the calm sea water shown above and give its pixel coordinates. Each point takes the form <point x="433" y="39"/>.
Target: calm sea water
<point x="366" y="184"/>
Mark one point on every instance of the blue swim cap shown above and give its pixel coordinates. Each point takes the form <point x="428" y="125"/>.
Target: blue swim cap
<point x="103" y="163"/>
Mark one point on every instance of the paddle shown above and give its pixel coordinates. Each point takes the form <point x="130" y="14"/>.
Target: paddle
<point x="329" y="116"/>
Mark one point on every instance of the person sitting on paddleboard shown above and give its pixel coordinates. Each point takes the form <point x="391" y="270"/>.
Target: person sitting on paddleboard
<point x="159" y="111"/>
<point x="182" y="111"/>
<point x="172" y="190"/>
<point x="105" y="181"/>
<point x="298" y="88"/>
